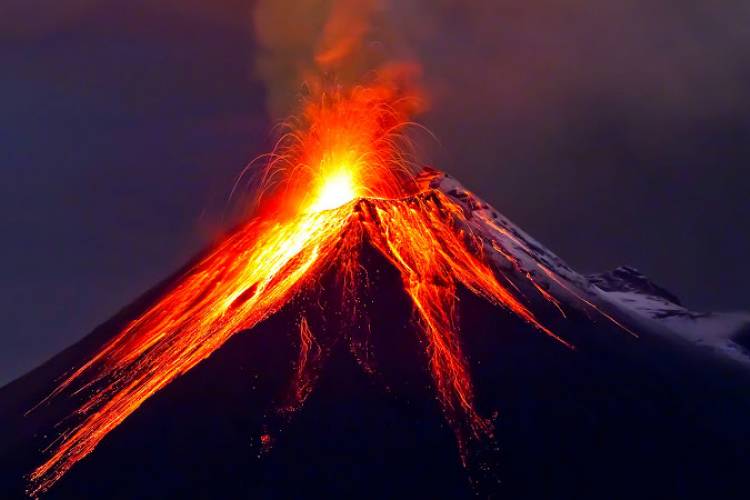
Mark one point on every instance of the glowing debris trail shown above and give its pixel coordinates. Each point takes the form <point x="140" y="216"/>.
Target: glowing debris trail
<point x="248" y="277"/>
<point x="346" y="182"/>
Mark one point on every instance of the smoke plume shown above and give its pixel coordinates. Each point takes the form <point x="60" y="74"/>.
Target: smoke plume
<point x="306" y="43"/>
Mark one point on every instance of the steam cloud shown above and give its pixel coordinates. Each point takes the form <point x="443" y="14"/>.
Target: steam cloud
<point x="304" y="42"/>
<point x="530" y="59"/>
<point x="515" y="60"/>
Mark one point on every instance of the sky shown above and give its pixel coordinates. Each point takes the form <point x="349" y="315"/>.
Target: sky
<point x="613" y="132"/>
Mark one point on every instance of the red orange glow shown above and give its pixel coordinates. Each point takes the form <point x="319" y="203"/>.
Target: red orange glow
<point x="343" y="178"/>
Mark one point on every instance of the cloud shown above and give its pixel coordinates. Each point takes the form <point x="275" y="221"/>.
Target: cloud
<point x="528" y="60"/>
<point x="305" y="42"/>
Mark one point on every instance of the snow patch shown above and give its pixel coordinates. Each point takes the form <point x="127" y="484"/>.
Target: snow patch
<point x="624" y="290"/>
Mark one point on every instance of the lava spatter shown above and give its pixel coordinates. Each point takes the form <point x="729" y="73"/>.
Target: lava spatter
<point x="345" y="178"/>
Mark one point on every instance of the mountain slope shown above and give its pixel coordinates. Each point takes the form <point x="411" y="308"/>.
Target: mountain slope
<point x="618" y="416"/>
<point x="623" y="290"/>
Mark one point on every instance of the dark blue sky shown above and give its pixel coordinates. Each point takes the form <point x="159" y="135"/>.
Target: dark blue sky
<point x="614" y="135"/>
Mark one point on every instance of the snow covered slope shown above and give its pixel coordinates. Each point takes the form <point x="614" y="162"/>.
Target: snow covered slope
<point x="631" y="291"/>
<point x="623" y="292"/>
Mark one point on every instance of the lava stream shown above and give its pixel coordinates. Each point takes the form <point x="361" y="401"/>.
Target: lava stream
<point x="347" y="181"/>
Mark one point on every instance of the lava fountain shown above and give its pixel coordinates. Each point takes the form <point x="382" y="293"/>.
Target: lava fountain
<point x="341" y="175"/>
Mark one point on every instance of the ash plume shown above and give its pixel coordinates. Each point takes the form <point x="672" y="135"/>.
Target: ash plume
<point x="304" y="44"/>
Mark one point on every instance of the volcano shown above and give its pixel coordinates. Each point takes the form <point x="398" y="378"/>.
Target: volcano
<point x="610" y="388"/>
<point x="374" y="329"/>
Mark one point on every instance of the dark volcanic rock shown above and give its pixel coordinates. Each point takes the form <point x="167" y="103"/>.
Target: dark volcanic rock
<point x="618" y="417"/>
<point x="629" y="279"/>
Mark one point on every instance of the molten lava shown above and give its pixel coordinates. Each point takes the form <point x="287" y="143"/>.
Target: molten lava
<point x="339" y="189"/>
<point x="339" y="178"/>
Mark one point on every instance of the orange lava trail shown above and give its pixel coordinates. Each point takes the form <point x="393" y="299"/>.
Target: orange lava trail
<point x="352" y="184"/>
<point x="557" y="280"/>
<point x="547" y="272"/>
<point x="248" y="277"/>
<point x="304" y="378"/>
<point x="423" y="239"/>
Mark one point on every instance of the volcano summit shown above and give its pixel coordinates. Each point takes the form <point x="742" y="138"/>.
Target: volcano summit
<point x="375" y="331"/>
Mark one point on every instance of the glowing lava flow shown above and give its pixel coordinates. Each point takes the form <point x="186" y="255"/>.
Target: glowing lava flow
<point x="346" y="178"/>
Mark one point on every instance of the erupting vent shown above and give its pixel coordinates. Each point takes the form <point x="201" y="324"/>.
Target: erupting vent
<point x="341" y="176"/>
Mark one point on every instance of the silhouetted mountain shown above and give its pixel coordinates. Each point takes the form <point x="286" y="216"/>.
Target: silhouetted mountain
<point x="662" y="415"/>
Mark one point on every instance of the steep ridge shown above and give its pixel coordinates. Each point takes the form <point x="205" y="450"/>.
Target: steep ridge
<point x="618" y="416"/>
